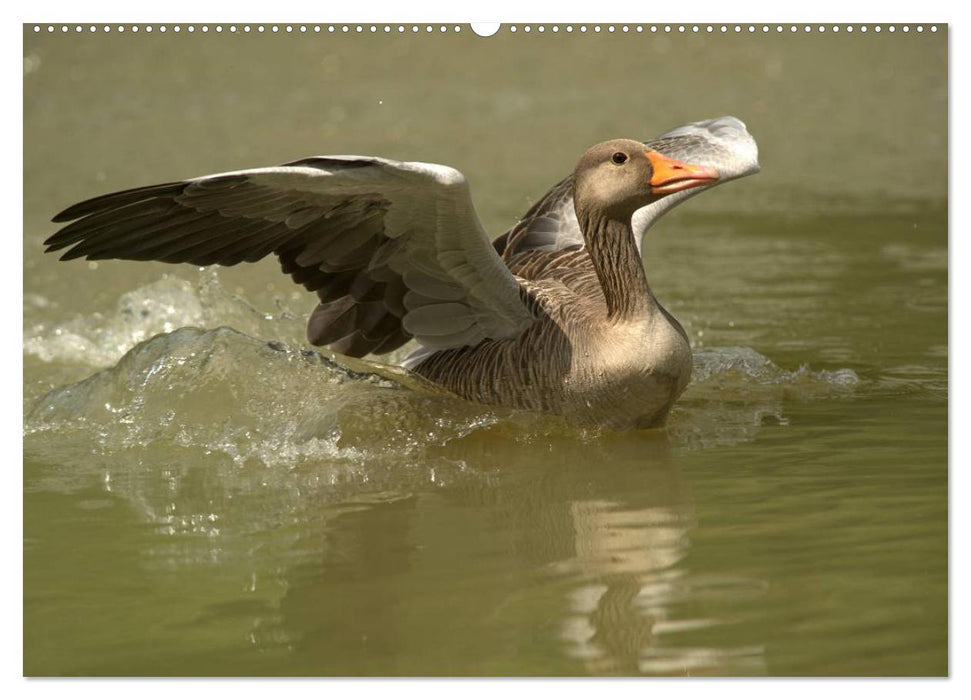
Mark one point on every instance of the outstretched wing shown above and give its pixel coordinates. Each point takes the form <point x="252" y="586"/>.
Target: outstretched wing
<point x="394" y="250"/>
<point x="551" y="224"/>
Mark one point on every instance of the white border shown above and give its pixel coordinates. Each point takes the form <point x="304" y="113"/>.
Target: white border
<point x="603" y="12"/>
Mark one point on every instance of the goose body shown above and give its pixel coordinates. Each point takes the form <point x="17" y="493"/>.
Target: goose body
<point x="555" y="315"/>
<point x="620" y="375"/>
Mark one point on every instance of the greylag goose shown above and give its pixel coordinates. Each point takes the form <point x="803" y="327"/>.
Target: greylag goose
<point x="556" y="315"/>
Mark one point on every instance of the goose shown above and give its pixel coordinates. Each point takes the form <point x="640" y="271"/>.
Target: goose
<point x="555" y="315"/>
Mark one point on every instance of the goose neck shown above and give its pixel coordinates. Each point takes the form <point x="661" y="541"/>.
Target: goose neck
<point x="618" y="264"/>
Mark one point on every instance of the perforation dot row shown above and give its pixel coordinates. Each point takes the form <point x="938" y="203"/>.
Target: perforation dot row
<point x="246" y="28"/>
<point x="428" y="28"/>
<point x="724" y="28"/>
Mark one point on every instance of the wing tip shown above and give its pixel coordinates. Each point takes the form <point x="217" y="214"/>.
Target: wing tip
<point x="72" y="254"/>
<point x="63" y="216"/>
<point x="114" y="200"/>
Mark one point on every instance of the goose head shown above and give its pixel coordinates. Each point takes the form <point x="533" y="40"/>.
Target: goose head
<point x="616" y="178"/>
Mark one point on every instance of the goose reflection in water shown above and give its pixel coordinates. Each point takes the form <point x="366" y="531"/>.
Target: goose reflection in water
<point x="557" y="561"/>
<point x="624" y="615"/>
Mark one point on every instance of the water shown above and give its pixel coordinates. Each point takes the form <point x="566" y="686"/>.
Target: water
<point x="205" y="495"/>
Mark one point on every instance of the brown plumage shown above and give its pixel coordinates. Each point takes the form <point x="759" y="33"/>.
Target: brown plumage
<point x="602" y="350"/>
<point x="555" y="315"/>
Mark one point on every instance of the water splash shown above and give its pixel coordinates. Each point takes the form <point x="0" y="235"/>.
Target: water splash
<point x="101" y="338"/>
<point x="735" y="391"/>
<point x="713" y="363"/>
<point x="225" y="392"/>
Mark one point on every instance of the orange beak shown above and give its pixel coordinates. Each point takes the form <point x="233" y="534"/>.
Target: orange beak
<point x="672" y="175"/>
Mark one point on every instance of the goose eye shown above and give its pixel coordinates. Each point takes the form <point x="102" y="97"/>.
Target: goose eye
<point x="619" y="158"/>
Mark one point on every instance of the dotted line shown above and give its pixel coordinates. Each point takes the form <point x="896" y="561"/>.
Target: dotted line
<point x="248" y="29"/>
<point x="719" y="28"/>
<point x="442" y="29"/>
